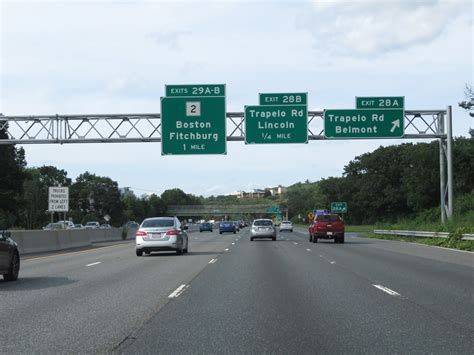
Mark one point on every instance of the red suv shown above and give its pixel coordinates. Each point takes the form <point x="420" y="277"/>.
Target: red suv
<point x="327" y="226"/>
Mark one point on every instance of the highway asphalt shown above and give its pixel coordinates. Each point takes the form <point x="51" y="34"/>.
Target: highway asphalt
<point x="231" y="295"/>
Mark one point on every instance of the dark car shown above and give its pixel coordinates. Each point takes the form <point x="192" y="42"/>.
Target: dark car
<point x="205" y="227"/>
<point x="227" y="226"/>
<point x="9" y="257"/>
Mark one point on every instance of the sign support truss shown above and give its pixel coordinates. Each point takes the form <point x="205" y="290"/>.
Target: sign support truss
<point x="128" y="128"/>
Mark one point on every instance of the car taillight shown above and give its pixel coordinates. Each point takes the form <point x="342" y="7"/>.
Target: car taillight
<point x="172" y="232"/>
<point x="141" y="234"/>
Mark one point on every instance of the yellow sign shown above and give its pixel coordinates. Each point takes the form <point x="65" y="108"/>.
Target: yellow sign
<point x="310" y="216"/>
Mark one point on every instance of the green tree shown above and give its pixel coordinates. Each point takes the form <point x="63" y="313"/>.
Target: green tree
<point x="35" y="197"/>
<point x="12" y="163"/>
<point x="96" y="196"/>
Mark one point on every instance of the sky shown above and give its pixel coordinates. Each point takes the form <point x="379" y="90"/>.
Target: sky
<point x="104" y="57"/>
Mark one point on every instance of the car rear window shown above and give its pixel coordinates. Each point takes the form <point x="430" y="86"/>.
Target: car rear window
<point x="327" y="218"/>
<point x="262" y="223"/>
<point x="156" y="223"/>
<point x="285" y="222"/>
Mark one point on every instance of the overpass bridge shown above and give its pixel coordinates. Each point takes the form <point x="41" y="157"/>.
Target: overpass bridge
<point x="223" y="210"/>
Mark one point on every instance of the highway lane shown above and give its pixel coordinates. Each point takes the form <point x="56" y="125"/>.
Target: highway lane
<point x="91" y="300"/>
<point x="292" y="296"/>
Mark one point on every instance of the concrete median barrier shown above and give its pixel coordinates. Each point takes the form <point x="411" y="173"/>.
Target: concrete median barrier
<point x="38" y="241"/>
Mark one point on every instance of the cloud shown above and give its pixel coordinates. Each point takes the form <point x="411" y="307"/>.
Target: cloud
<point x="170" y="40"/>
<point x="373" y="28"/>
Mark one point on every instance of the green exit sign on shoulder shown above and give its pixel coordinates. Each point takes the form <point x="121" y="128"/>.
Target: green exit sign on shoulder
<point x="283" y="99"/>
<point x="381" y="102"/>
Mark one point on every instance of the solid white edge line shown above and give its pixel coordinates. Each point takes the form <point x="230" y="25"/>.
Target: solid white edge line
<point x="333" y="262"/>
<point x="178" y="291"/>
<point x="233" y="243"/>
<point x="96" y="263"/>
<point x="387" y="290"/>
<point x="227" y="249"/>
<point x="308" y="249"/>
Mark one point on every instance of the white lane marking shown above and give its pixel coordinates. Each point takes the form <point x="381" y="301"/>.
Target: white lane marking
<point x="387" y="290"/>
<point x="233" y="243"/>
<point x="320" y="256"/>
<point x="308" y="249"/>
<point x="227" y="249"/>
<point x="178" y="291"/>
<point x="96" y="263"/>
<point x="332" y="262"/>
<point x="212" y="261"/>
<point x="195" y="237"/>
<point x="295" y="243"/>
<point x="237" y="239"/>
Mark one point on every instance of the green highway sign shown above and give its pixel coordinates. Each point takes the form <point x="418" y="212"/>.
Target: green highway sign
<point x="275" y="209"/>
<point x="283" y="99"/>
<point x="276" y="124"/>
<point x="195" y="90"/>
<point x="193" y="124"/>
<point x="339" y="207"/>
<point x="370" y="123"/>
<point x="380" y="102"/>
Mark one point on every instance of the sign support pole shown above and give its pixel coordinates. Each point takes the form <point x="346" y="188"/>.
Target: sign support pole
<point x="442" y="170"/>
<point x="449" y="159"/>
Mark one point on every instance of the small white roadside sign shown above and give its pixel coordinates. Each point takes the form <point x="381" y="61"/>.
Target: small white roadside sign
<point x="58" y="199"/>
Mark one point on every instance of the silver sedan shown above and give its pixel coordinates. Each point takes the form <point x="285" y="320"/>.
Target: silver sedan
<point x="161" y="234"/>
<point x="263" y="228"/>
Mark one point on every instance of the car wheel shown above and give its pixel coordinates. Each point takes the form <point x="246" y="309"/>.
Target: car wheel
<point x="185" y="251"/>
<point x="251" y="239"/>
<point x="341" y="239"/>
<point x="274" y="239"/>
<point x="148" y="252"/>
<point x="179" y="251"/>
<point x="139" y="252"/>
<point x="315" y="239"/>
<point x="291" y="230"/>
<point x="14" y="268"/>
<point x="310" y="238"/>
<point x="234" y="232"/>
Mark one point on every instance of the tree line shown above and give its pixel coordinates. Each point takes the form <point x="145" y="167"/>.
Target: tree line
<point x="388" y="184"/>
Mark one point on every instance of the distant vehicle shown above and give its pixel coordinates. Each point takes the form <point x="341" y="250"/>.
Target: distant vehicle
<point x="131" y="224"/>
<point x="105" y="226"/>
<point x="286" y="226"/>
<point x="327" y="226"/>
<point x="237" y="226"/>
<point x="205" y="227"/>
<point x="67" y="224"/>
<point x="161" y="234"/>
<point x="227" y="226"/>
<point x="54" y="226"/>
<point x="9" y="257"/>
<point x="262" y="228"/>
<point x="78" y="226"/>
<point x="92" y="225"/>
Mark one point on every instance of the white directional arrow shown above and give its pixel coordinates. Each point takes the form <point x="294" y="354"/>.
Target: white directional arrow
<point x="395" y="124"/>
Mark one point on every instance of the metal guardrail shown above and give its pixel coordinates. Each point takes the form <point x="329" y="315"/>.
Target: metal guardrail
<point x="421" y="234"/>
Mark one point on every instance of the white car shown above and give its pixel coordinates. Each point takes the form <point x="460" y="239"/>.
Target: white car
<point x="161" y="234"/>
<point x="92" y="225"/>
<point x="286" y="226"/>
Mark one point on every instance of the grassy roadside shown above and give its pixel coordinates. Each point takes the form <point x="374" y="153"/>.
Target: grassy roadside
<point x="453" y="241"/>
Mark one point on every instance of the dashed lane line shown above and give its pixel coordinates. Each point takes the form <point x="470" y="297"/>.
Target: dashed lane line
<point x="96" y="263"/>
<point x="387" y="290"/>
<point x="178" y="291"/>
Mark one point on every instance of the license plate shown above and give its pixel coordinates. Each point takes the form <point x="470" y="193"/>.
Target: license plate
<point x="155" y="235"/>
<point x="329" y="233"/>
